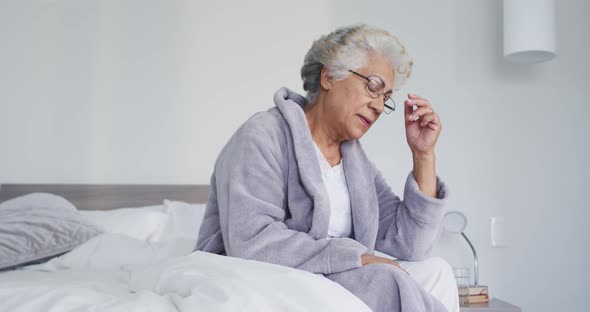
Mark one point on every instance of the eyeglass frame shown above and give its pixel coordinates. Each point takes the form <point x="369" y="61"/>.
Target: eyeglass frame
<point x="380" y="81"/>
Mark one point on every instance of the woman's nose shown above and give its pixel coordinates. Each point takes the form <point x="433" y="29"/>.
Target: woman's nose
<point x="378" y="105"/>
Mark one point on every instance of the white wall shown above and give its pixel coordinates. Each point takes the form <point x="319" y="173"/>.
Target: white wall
<point x="149" y="91"/>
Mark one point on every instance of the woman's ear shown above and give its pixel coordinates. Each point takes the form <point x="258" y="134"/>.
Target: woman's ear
<point x="325" y="79"/>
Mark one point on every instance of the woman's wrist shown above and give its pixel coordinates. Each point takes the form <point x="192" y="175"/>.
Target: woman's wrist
<point x="425" y="172"/>
<point x="423" y="156"/>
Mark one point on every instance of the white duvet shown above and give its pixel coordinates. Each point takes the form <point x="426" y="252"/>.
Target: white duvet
<point x="118" y="273"/>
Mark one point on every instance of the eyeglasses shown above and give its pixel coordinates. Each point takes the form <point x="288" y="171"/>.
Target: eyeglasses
<point x="375" y="87"/>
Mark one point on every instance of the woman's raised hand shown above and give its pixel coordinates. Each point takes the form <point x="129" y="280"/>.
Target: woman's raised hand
<point x="422" y="125"/>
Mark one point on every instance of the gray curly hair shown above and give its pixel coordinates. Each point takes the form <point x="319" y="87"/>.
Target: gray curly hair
<point x="347" y="48"/>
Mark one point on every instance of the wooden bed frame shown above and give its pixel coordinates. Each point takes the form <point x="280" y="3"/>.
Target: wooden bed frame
<point x="111" y="196"/>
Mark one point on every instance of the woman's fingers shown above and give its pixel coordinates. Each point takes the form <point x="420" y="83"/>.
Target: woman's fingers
<point x="372" y="259"/>
<point x="419" y="113"/>
<point x="415" y="108"/>
<point x="426" y="119"/>
<point x="423" y="112"/>
<point x="431" y="120"/>
<point x="394" y="263"/>
<point x="413" y="96"/>
<point x="418" y="101"/>
<point x="418" y="109"/>
<point x="399" y="266"/>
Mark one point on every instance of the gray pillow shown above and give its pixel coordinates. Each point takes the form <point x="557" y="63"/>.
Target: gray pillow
<point x="39" y="226"/>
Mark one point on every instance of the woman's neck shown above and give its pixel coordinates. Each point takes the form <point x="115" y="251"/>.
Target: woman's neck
<point x="321" y="132"/>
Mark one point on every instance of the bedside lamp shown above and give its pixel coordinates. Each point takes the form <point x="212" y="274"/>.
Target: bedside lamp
<point x="455" y="222"/>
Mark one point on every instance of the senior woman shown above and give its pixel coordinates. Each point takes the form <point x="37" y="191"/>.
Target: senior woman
<point x="294" y="187"/>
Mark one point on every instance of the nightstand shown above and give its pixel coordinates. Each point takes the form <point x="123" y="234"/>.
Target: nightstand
<point x="495" y="305"/>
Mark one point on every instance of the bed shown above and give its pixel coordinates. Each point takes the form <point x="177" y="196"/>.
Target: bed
<point x="143" y="260"/>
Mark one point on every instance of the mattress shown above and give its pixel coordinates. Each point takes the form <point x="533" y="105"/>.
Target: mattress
<point x="115" y="272"/>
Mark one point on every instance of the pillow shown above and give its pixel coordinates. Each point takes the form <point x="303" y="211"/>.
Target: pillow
<point x="184" y="220"/>
<point x="142" y="223"/>
<point x="39" y="226"/>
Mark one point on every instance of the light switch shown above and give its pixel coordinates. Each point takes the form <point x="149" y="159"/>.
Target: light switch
<point x="498" y="232"/>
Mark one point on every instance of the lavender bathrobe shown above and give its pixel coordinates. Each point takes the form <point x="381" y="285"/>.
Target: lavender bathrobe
<point x="268" y="203"/>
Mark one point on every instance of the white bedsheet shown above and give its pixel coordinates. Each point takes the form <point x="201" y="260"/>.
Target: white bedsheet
<point x="117" y="273"/>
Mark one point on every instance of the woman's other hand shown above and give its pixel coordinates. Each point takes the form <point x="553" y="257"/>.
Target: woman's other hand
<point x="423" y="125"/>
<point x="372" y="259"/>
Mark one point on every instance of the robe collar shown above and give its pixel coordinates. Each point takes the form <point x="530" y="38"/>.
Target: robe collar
<point x="357" y="169"/>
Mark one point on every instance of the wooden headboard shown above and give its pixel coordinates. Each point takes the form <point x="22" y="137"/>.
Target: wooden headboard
<point x="111" y="196"/>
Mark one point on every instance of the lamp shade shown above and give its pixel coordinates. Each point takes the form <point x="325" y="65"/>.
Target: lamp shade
<point x="529" y="30"/>
<point x="454" y="222"/>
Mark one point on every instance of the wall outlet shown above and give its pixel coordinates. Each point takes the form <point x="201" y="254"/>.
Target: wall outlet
<point x="498" y="226"/>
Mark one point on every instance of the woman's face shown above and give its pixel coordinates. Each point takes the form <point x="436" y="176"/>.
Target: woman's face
<point x="352" y="110"/>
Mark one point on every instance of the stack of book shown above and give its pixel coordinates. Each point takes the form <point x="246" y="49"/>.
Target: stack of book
<point x="473" y="294"/>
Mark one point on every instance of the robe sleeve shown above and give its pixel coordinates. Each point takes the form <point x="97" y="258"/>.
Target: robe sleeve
<point x="408" y="229"/>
